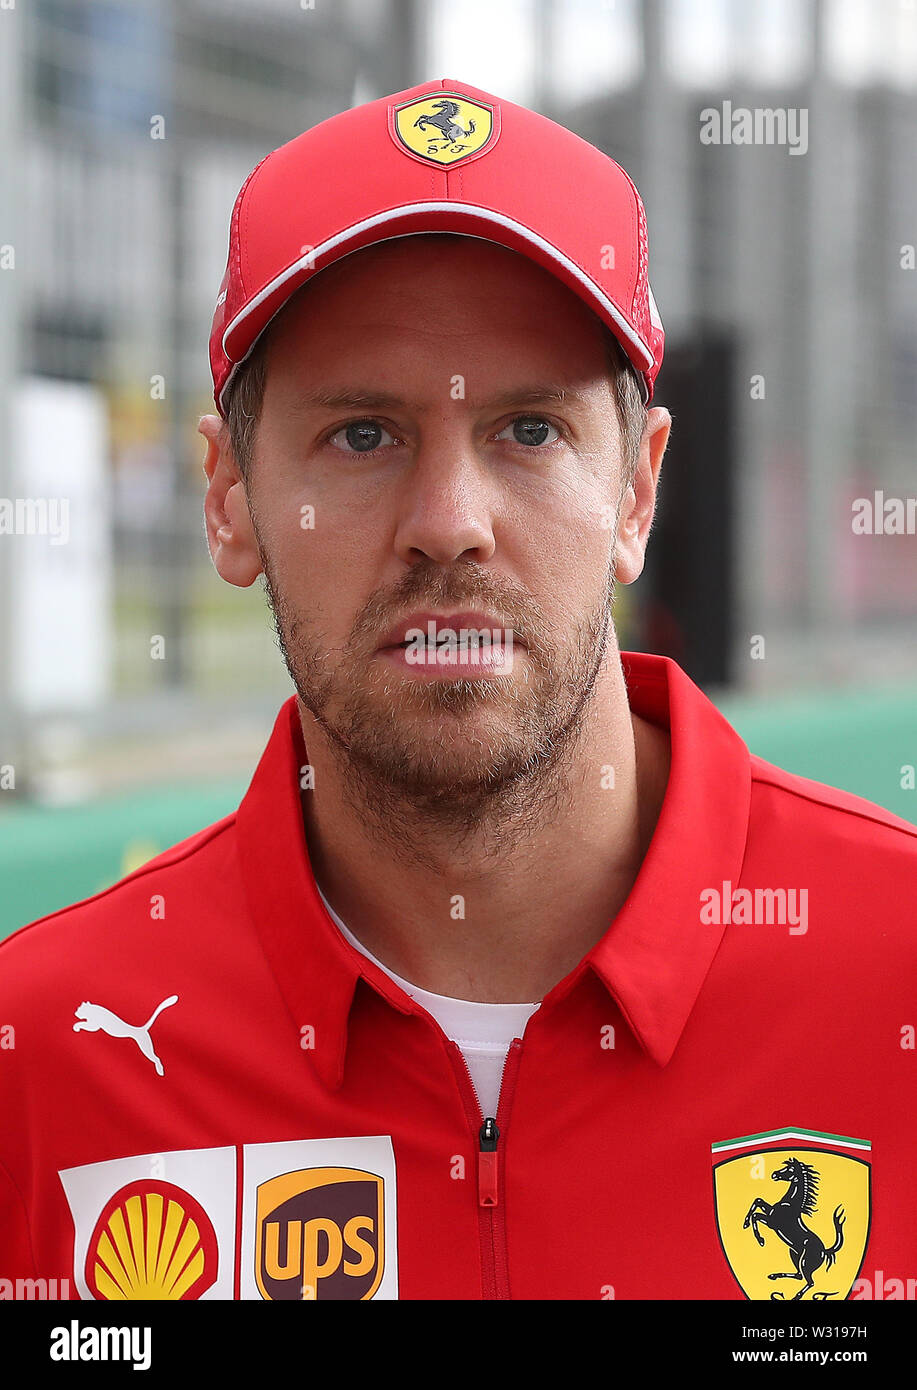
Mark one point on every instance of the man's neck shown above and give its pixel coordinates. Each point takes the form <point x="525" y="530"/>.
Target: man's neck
<point x="499" y="925"/>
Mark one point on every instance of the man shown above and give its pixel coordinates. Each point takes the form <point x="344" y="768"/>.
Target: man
<point x="515" y="975"/>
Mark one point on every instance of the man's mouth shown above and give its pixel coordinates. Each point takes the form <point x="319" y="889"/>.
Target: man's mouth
<point x="448" y="644"/>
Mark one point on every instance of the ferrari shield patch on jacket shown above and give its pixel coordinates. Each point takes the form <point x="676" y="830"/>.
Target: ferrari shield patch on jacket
<point x="793" y="1212"/>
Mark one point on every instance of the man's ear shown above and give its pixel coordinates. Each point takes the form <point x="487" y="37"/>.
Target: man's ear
<point x="639" y="501"/>
<point x="230" y="534"/>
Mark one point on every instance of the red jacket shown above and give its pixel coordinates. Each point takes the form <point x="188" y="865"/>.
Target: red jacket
<point x="722" y="1090"/>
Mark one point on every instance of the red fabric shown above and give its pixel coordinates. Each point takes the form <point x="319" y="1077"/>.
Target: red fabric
<point x="604" y="1155"/>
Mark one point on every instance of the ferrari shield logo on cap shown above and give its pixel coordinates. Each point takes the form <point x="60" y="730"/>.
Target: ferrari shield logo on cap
<point x="319" y="1235"/>
<point x="793" y="1212"/>
<point x="444" y="128"/>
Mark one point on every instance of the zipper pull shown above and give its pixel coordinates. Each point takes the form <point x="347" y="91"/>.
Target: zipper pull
<point x="487" y="1164"/>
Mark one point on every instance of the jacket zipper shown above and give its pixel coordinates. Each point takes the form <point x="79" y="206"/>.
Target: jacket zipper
<point x="490" y="1179"/>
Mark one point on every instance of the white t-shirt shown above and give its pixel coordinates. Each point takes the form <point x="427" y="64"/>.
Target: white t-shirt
<point x="482" y="1031"/>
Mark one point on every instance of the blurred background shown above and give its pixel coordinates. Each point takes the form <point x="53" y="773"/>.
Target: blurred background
<point x="136" y="689"/>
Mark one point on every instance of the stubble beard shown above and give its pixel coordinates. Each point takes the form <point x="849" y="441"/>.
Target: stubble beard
<point x="421" y="780"/>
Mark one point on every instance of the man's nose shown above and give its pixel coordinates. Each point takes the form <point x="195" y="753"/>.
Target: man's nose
<point x="448" y="501"/>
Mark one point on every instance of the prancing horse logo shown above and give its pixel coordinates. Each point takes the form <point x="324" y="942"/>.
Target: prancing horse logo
<point x="821" y="1251"/>
<point x="445" y="121"/>
<point x="784" y="1217"/>
<point x="444" y="128"/>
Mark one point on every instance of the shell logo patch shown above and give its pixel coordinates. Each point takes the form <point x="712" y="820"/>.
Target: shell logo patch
<point x="152" y="1241"/>
<point x="444" y="128"/>
<point x="793" y="1212"/>
<point x="154" y="1226"/>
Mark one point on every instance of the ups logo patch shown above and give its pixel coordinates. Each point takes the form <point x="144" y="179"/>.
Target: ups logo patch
<point x="319" y="1234"/>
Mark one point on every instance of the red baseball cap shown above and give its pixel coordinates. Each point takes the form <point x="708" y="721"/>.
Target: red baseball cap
<point x="440" y="157"/>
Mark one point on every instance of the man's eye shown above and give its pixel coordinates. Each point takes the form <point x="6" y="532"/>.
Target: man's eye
<point x="361" y="436"/>
<point x="531" y="430"/>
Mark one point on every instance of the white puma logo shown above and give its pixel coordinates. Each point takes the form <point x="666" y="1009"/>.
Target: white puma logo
<point x="94" y="1016"/>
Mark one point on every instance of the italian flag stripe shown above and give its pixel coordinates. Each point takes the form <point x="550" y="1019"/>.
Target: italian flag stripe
<point x="837" y="1141"/>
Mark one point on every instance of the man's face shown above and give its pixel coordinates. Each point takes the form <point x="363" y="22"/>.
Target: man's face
<point x="450" y="484"/>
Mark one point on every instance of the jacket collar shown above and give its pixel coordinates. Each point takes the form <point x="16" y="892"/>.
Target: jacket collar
<point x="656" y="953"/>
